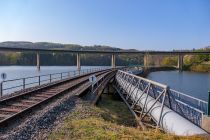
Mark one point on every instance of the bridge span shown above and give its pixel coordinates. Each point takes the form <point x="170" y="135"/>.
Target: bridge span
<point x="113" y="54"/>
<point x="153" y="104"/>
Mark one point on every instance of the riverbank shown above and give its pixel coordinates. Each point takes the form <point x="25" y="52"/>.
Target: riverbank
<point x="111" y="119"/>
<point x="199" y="68"/>
<point x="148" y="70"/>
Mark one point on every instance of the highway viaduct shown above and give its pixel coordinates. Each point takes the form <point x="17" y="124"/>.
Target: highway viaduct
<point x="180" y="54"/>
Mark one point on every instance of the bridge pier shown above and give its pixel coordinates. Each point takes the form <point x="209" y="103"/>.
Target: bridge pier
<point x="78" y="62"/>
<point x="180" y="62"/>
<point x="145" y="60"/>
<point x="113" y="63"/>
<point x="38" y="61"/>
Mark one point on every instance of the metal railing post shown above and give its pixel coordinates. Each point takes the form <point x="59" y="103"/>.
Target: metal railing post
<point x="209" y="105"/>
<point x="1" y="89"/>
<point x="39" y="81"/>
<point x="50" y="78"/>
<point x="24" y="83"/>
<point x="61" y="76"/>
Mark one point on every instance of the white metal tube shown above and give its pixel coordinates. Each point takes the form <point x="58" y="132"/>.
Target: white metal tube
<point x="171" y="121"/>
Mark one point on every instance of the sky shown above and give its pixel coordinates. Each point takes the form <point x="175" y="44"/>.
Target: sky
<point x="136" y="24"/>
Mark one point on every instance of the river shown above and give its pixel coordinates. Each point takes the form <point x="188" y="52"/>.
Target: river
<point x="191" y="83"/>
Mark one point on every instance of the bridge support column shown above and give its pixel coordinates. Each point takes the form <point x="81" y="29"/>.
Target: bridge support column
<point x="113" y="61"/>
<point x="38" y="61"/>
<point x="145" y="60"/>
<point x="180" y="62"/>
<point x="78" y="62"/>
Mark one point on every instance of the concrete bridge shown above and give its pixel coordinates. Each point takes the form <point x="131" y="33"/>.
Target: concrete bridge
<point x="180" y="54"/>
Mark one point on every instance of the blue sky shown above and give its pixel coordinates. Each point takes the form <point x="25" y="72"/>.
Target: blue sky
<point x="139" y="24"/>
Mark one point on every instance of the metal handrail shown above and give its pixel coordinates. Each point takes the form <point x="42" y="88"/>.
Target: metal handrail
<point x="193" y="102"/>
<point x="144" y="79"/>
<point x="37" y="80"/>
<point x="200" y="100"/>
<point x="185" y="105"/>
<point x="189" y="106"/>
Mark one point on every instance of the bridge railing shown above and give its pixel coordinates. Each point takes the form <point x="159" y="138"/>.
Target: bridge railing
<point x="191" y="101"/>
<point x="11" y="86"/>
<point x="187" y="106"/>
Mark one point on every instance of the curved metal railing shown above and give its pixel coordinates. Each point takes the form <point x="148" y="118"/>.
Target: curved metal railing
<point x="187" y="106"/>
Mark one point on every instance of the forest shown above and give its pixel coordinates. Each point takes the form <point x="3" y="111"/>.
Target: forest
<point x="64" y="59"/>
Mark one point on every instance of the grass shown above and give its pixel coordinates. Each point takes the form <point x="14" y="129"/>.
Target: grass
<point x="110" y="120"/>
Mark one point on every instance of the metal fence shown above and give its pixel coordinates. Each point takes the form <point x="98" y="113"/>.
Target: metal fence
<point x="187" y="106"/>
<point x="10" y="86"/>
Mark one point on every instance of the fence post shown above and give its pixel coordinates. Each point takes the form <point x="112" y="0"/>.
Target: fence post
<point x="39" y="81"/>
<point x="24" y="83"/>
<point x="50" y="78"/>
<point x="1" y="89"/>
<point x="209" y="105"/>
<point x="61" y="76"/>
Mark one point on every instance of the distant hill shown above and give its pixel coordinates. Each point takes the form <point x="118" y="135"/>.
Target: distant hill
<point x="8" y="58"/>
<point x="22" y="44"/>
<point x="47" y="45"/>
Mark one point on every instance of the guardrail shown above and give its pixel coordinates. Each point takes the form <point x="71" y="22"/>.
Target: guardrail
<point x="191" y="101"/>
<point x="187" y="106"/>
<point x="10" y="86"/>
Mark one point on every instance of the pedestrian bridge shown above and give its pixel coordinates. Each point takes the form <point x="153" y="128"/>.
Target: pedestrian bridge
<point x="153" y="104"/>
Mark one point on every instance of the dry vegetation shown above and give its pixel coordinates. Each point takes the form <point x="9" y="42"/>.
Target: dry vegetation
<point x="111" y="120"/>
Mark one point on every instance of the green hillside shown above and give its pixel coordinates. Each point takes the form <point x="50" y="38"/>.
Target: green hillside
<point x="65" y="59"/>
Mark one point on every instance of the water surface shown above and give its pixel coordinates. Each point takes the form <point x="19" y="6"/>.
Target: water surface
<point x="14" y="72"/>
<point x="191" y="83"/>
